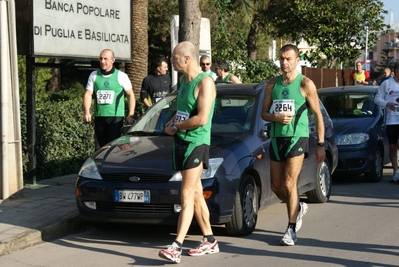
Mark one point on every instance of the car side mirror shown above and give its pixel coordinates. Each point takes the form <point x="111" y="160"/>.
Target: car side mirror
<point x="264" y="132"/>
<point x="125" y="128"/>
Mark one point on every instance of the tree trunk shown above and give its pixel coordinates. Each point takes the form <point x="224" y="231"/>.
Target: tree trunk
<point x="189" y="22"/>
<point x="54" y="83"/>
<point x="253" y="36"/>
<point x="137" y="70"/>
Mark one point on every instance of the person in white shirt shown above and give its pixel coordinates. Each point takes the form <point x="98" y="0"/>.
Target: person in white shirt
<point x="388" y="97"/>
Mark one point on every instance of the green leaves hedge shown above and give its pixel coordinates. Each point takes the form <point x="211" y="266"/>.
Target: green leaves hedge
<point x="63" y="140"/>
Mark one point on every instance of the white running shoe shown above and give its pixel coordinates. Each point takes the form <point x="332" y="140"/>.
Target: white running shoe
<point x="304" y="209"/>
<point x="172" y="253"/>
<point x="395" y="177"/>
<point x="205" y="247"/>
<point x="289" y="238"/>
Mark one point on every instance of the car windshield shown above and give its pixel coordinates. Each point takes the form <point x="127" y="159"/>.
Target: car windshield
<point x="342" y="105"/>
<point x="233" y="115"/>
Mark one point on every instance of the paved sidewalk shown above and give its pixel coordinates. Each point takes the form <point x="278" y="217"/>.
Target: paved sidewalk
<point x="45" y="211"/>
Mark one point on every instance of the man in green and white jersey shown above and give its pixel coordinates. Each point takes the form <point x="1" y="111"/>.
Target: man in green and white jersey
<point x="109" y="87"/>
<point x="191" y="130"/>
<point x="286" y="102"/>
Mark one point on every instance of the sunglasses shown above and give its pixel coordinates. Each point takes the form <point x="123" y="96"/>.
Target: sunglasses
<point x="203" y="64"/>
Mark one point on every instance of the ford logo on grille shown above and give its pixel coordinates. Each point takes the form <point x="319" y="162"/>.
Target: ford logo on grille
<point x="134" y="179"/>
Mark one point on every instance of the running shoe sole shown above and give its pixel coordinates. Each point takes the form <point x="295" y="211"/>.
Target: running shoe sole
<point x="204" y="252"/>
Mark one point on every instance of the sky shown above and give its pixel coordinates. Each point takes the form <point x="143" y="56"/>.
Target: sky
<point x="394" y="6"/>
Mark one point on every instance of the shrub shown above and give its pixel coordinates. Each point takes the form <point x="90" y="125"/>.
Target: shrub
<point x="63" y="140"/>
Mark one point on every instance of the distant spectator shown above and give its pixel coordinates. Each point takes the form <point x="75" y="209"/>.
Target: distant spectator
<point x="157" y="84"/>
<point x="360" y="76"/>
<point x="387" y="73"/>
<point x="222" y="70"/>
<point x="206" y="64"/>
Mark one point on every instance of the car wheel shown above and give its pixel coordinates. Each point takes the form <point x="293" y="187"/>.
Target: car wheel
<point x="375" y="173"/>
<point x="245" y="210"/>
<point x="322" y="191"/>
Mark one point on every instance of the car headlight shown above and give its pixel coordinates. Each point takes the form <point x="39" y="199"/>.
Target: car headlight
<point x="353" y="139"/>
<point x="214" y="164"/>
<point x="89" y="170"/>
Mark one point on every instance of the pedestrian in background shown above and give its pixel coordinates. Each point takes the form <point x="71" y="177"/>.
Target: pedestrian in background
<point x="387" y="73"/>
<point x="360" y="76"/>
<point x="191" y="130"/>
<point x="285" y="104"/>
<point x="109" y="86"/>
<point x="157" y="84"/>
<point x="205" y="64"/>
<point x="222" y="70"/>
<point x="388" y="97"/>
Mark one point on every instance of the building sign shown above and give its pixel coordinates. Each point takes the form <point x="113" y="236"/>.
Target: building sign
<point x="81" y="29"/>
<point x="366" y="65"/>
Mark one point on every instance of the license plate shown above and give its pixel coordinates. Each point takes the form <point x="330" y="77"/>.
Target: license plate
<point x="138" y="196"/>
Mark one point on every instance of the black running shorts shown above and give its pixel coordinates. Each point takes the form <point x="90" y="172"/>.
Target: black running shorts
<point x="187" y="155"/>
<point x="282" y="148"/>
<point x="392" y="133"/>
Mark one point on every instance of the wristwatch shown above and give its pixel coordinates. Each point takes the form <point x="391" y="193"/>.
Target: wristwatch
<point x="321" y="144"/>
<point x="174" y="128"/>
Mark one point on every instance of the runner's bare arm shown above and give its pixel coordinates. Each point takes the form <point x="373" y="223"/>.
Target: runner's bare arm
<point x="309" y="90"/>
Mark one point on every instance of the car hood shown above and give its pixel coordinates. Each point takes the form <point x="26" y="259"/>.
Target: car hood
<point x="150" y="154"/>
<point x="347" y="126"/>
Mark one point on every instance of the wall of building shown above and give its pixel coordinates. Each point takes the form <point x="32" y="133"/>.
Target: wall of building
<point x="386" y="41"/>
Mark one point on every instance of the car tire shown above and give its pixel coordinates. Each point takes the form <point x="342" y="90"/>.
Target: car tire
<point x="245" y="209"/>
<point x="376" y="171"/>
<point x="322" y="191"/>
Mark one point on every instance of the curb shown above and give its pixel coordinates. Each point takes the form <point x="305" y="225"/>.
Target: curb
<point x="74" y="223"/>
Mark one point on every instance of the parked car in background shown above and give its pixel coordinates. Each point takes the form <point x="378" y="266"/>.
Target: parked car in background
<point x="131" y="180"/>
<point x="359" y="129"/>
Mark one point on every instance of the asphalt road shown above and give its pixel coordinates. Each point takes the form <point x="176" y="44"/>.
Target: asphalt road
<point x="359" y="226"/>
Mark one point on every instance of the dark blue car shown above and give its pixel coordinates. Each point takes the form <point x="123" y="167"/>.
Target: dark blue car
<point x="359" y="129"/>
<point x="131" y="180"/>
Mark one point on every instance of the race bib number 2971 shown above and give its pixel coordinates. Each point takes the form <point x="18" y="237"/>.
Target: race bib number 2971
<point x="284" y="106"/>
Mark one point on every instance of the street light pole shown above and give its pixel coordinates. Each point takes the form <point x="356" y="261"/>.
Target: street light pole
<point x="367" y="40"/>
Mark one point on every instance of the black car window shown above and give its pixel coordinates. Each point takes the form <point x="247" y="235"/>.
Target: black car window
<point x="233" y="114"/>
<point x="155" y="119"/>
<point x="349" y="104"/>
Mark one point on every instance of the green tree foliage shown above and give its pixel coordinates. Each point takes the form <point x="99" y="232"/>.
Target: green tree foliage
<point x="63" y="141"/>
<point x="42" y="75"/>
<point x="328" y="25"/>
<point x="228" y="43"/>
<point x="386" y="59"/>
<point x="159" y="15"/>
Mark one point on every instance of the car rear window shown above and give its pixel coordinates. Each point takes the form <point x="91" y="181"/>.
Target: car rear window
<point x="349" y="104"/>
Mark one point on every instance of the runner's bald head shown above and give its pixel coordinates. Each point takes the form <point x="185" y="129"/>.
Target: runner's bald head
<point x="187" y="48"/>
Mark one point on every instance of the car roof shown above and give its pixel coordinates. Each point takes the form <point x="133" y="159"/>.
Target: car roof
<point x="349" y="89"/>
<point x="240" y="88"/>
